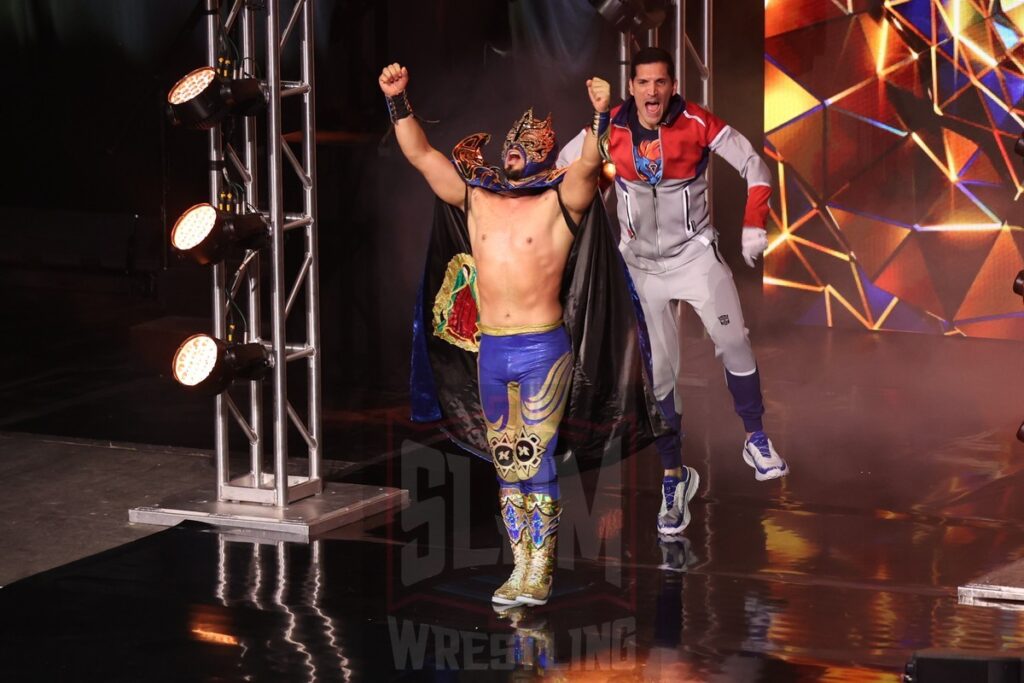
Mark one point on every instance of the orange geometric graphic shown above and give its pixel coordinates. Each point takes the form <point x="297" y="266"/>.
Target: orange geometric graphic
<point x="787" y="99"/>
<point x="990" y="293"/>
<point x="897" y="121"/>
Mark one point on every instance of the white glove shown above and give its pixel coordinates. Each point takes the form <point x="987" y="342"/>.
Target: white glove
<point x="754" y="242"/>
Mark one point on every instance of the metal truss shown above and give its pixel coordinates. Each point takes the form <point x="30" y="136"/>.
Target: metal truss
<point x="259" y="486"/>
<point x="274" y="500"/>
<point x="682" y="47"/>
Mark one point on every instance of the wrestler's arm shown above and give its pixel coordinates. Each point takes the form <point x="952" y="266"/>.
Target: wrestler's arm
<point x="581" y="178"/>
<point x="435" y="167"/>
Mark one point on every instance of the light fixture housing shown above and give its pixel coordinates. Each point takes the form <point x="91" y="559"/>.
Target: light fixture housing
<point x="206" y="233"/>
<point x="632" y="15"/>
<point x="203" y="98"/>
<point x="209" y="365"/>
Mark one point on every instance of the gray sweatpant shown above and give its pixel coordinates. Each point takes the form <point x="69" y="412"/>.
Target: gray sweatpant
<point x="706" y="283"/>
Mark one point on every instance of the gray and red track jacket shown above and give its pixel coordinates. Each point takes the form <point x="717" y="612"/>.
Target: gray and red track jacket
<point x="658" y="222"/>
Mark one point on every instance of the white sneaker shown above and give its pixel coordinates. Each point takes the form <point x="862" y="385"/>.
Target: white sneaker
<point x="675" y="499"/>
<point x="759" y="453"/>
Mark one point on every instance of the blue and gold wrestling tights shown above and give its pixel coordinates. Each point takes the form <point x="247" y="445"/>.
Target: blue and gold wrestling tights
<point x="524" y="376"/>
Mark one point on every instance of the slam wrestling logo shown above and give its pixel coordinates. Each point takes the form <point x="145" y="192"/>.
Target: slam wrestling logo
<point x="448" y="552"/>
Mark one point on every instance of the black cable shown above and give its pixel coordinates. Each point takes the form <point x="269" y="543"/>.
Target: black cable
<point x="245" y="322"/>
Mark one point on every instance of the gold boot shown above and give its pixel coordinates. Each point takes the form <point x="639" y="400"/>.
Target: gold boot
<point x="513" y="513"/>
<point x="542" y="514"/>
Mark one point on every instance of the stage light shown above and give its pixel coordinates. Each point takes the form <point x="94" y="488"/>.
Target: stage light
<point x="632" y="15"/>
<point x="608" y="171"/>
<point x="206" y="234"/>
<point x="1018" y="146"/>
<point x="208" y="365"/>
<point x="203" y="98"/>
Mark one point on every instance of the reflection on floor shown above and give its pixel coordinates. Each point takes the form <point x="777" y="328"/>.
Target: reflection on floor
<point x="904" y="470"/>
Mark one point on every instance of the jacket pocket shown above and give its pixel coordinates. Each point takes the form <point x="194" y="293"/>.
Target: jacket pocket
<point x="630" y="225"/>
<point x="688" y="223"/>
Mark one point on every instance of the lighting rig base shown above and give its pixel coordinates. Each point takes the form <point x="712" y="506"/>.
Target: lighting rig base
<point x="338" y="505"/>
<point x="1003" y="588"/>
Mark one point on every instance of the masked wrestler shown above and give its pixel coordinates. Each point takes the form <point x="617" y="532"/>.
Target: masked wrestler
<point x="501" y="297"/>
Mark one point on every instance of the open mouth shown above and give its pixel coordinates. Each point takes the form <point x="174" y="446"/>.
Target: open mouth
<point x="652" y="107"/>
<point x="513" y="155"/>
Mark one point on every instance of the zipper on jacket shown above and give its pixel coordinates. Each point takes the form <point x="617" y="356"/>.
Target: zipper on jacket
<point x="654" y="191"/>
<point x="657" y="223"/>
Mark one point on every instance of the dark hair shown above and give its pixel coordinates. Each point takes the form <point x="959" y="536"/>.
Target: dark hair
<point x="652" y="55"/>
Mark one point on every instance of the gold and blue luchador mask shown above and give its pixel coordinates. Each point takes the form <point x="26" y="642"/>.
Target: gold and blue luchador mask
<point x="535" y="139"/>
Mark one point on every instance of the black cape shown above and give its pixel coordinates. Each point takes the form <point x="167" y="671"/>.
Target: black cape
<point x="611" y="400"/>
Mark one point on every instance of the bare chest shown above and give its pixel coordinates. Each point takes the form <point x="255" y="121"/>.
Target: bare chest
<point x="507" y="226"/>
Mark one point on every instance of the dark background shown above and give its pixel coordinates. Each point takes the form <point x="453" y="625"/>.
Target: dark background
<point x="95" y="178"/>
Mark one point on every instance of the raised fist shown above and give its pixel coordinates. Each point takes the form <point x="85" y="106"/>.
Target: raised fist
<point x="600" y="94"/>
<point x="393" y="79"/>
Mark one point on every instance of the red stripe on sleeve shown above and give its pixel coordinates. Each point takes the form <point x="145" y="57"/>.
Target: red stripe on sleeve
<point x="757" y="206"/>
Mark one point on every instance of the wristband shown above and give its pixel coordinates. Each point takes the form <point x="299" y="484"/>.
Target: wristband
<point x="599" y="127"/>
<point x="398" y="106"/>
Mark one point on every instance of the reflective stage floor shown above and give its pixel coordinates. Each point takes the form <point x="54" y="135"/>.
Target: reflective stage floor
<point x="904" y="474"/>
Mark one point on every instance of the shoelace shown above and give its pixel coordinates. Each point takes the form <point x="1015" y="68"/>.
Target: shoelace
<point x="517" y="575"/>
<point x="519" y="571"/>
<point x="668" y="486"/>
<point x="536" y="574"/>
<point x="760" y="441"/>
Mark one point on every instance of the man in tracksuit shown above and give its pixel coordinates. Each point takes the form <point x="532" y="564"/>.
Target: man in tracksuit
<point x="660" y="145"/>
